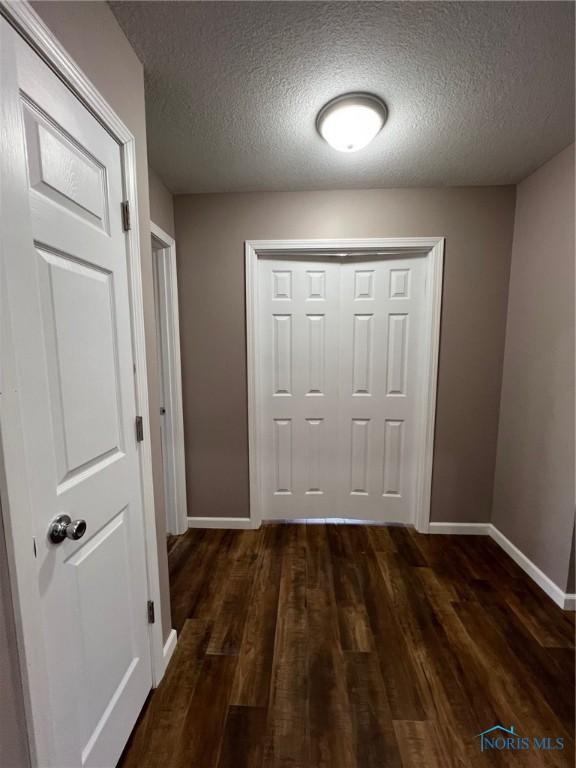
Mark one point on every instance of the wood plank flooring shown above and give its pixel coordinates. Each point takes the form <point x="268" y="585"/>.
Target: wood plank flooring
<point x="337" y="646"/>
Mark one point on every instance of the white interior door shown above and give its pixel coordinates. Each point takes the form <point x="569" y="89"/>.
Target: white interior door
<point x="160" y="311"/>
<point x="340" y="382"/>
<point x="68" y="308"/>
<point x="170" y="375"/>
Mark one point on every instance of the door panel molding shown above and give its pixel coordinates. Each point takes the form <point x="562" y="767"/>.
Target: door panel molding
<point x="14" y="482"/>
<point x="432" y="248"/>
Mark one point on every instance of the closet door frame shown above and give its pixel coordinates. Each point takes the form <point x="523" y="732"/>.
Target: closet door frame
<point x="432" y="248"/>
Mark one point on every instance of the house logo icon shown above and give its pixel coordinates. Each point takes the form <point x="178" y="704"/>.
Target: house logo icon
<point x="501" y="738"/>
<point x="498" y="737"/>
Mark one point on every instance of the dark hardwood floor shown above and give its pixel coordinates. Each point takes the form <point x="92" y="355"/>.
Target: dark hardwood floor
<point x="336" y="646"/>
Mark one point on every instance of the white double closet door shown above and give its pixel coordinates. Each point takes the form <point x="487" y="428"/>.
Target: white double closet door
<point x="340" y="382"/>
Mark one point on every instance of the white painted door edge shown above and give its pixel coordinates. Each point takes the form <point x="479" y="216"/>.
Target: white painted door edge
<point x="176" y="467"/>
<point x="564" y="600"/>
<point x="433" y="249"/>
<point x="33" y="663"/>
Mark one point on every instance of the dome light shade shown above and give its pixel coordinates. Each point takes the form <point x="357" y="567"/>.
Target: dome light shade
<point x="350" y="122"/>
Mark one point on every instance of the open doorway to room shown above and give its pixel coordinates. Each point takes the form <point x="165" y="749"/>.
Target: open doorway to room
<point x="170" y="379"/>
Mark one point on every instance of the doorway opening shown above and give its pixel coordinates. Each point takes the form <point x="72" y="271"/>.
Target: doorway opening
<point x="343" y="339"/>
<point x="170" y="379"/>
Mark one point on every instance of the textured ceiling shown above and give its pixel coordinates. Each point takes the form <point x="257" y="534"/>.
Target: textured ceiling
<point x="478" y="92"/>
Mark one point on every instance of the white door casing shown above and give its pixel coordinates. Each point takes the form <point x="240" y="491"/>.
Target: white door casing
<point x="342" y="364"/>
<point x="69" y="370"/>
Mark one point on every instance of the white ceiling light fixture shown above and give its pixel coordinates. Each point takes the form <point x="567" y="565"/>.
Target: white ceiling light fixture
<point x="350" y="122"/>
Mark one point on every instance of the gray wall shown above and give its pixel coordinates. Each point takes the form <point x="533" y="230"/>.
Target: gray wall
<point x="534" y="485"/>
<point x="161" y="203"/>
<point x="92" y="36"/>
<point x="211" y="230"/>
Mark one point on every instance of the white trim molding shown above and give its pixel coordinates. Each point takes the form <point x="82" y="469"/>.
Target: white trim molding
<point x="564" y="600"/>
<point x="461" y="529"/>
<point x="239" y="523"/>
<point x="169" y="647"/>
<point x="569" y="602"/>
<point x="538" y="576"/>
<point x="430" y="247"/>
<point x="174" y="453"/>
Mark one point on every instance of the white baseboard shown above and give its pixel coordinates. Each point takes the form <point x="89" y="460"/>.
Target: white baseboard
<point x="322" y="521"/>
<point x="569" y="602"/>
<point x="462" y="529"/>
<point x="544" y="582"/>
<point x="220" y="522"/>
<point x="169" y="647"/>
<point x="565" y="600"/>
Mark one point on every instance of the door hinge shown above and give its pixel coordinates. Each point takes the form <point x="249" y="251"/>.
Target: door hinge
<point x="139" y="429"/>
<point x="151" y="617"/>
<point x="126" y="216"/>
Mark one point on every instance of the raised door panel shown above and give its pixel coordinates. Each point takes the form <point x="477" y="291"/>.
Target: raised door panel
<point x="400" y="283"/>
<point x="364" y="284"/>
<point x="63" y="170"/>
<point x="80" y="332"/>
<point x="316" y="362"/>
<point x="101" y="594"/>
<point x="283" y="456"/>
<point x="281" y="284"/>
<point x="359" y="456"/>
<point x="393" y="458"/>
<point x="282" y="354"/>
<point x="316" y="284"/>
<point x="362" y="341"/>
<point x="396" y="354"/>
<point x="316" y="480"/>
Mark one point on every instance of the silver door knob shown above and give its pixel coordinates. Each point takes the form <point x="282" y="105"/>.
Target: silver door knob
<point x="63" y="527"/>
